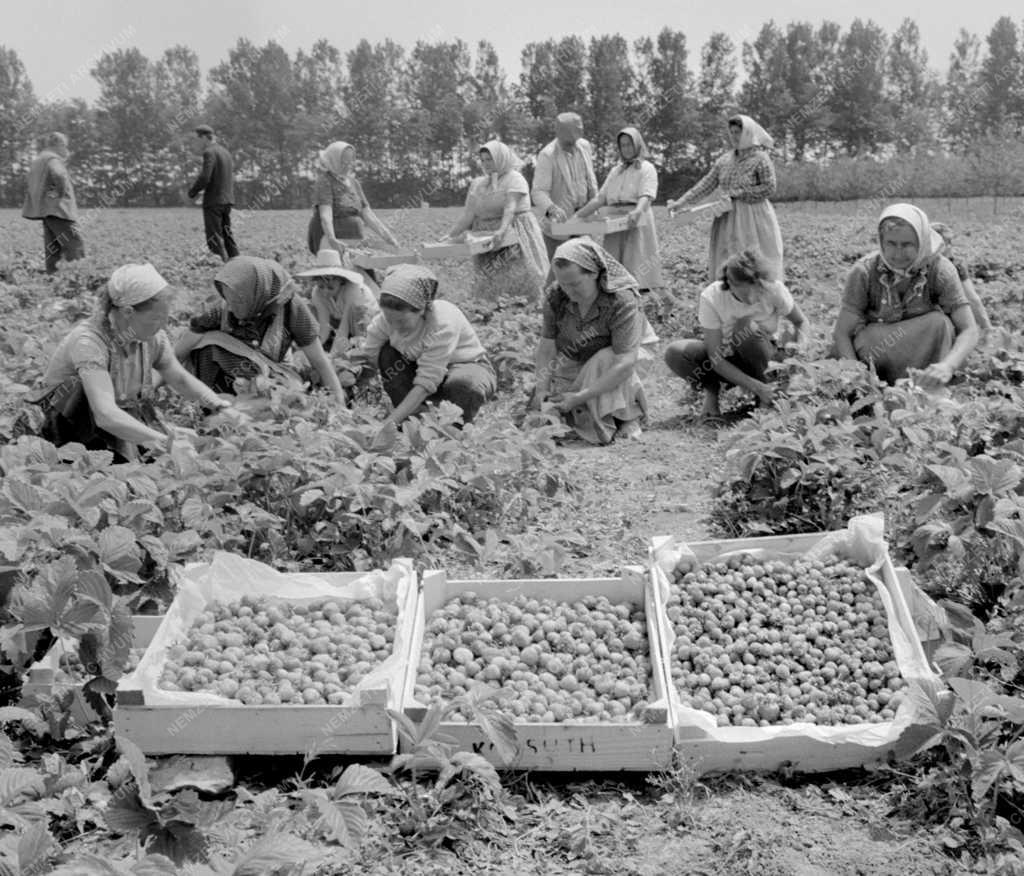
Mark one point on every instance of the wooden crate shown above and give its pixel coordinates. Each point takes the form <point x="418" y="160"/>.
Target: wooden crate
<point x="41" y="678"/>
<point x="569" y="745"/>
<point x="595" y="227"/>
<point x="379" y="260"/>
<point x="797" y="747"/>
<point x="432" y="252"/>
<point x="236" y="728"/>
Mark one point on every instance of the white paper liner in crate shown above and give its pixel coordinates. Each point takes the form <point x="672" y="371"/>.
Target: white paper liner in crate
<point x="862" y="543"/>
<point x="228" y="578"/>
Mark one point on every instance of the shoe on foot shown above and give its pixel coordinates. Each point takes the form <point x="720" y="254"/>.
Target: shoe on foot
<point x="629" y="429"/>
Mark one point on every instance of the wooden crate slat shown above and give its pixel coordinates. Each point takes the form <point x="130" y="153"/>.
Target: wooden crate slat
<point x="373" y="261"/>
<point x="567" y="745"/>
<point x="437" y="251"/>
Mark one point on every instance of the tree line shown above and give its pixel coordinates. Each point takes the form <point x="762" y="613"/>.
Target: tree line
<point x="832" y="99"/>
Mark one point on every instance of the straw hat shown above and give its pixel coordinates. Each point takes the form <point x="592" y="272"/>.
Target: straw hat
<point x="328" y="264"/>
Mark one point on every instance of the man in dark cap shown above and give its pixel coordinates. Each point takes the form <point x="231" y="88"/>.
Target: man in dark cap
<point x="216" y="182"/>
<point x="50" y="196"/>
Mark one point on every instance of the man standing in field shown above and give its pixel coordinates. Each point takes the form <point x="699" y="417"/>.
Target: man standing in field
<point x="216" y="182"/>
<point x="50" y="196"/>
<point x="563" y="180"/>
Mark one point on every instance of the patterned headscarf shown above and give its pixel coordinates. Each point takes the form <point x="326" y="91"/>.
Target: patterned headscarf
<point x="331" y="158"/>
<point x="639" y="146"/>
<point x="504" y="159"/>
<point x="612" y="276"/>
<point x="413" y="284"/>
<point x="253" y="289"/>
<point x="751" y="133"/>
<point x="929" y="241"/>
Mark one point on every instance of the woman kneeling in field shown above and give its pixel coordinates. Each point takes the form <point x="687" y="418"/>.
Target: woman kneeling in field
<point x="740" y="318"/>
<point x="98" y="388"/>
<point x="904" y="309"/>
<point x="253" y="331"/>
<point x="594" y="340"/>
<point x="425" y="350"/>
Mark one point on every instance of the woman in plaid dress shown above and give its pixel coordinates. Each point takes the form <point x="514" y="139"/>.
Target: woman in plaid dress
<point x="746" y="177"/>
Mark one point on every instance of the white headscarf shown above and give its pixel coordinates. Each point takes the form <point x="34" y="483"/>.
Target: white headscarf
<point x="130" y="285"/>
<point x="504" y="159"/>
<point x="929" y="241"/>
<point x="331" y="158"/>
<point x="752" y="134"/>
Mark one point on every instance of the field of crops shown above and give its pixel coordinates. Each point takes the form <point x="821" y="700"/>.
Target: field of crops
<point x="753" y="645"/>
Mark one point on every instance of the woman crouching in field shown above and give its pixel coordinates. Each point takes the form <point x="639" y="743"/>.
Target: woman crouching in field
<point x="425" y="350"/>
<point x="740" y="316"/>
<point x="594" y="340"/>
<point x="98" y="388"/>
<point x="253" y="331"/>
<point x="904" y="310"/>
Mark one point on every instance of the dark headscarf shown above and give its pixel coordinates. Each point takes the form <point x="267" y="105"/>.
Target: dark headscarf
<point x="253" y="289"/>
<point x="612" y="276"/>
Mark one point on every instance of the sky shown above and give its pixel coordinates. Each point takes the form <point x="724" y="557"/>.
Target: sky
<point x="59" y="40"/>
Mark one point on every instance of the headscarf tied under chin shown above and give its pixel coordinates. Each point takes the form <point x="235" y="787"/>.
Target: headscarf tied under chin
<point x="413" y="284"/>
<point x="253" y="289"/>
<point x="639" y="146"/>
<point x="504" y="159"/>
<point x="929" y="241"/>
<point x="612" y="276"/>
<point x="332" y="158"/>
<point x="751" y="134"/>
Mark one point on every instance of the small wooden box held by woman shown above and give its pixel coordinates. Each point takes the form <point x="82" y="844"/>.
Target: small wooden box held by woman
<point x="739" y="316"/>
<point x="594" y="341"/>
<point x="98" y="388"/>
<point x="499" y="203"/>
<point x="746" y="177"/>
<point x="254" y="330"/>
<point x="904" y="310"/>
<point x="425" y="350"/>
<point x="629" y="190"/>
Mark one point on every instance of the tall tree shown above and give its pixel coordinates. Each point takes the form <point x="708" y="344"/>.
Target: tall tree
<point x="860" y="121"/>
<point x="609" y="79"/>
<point x="810" y="76"/>
<point x="553" y="80"/>
<point x="178" y="91"/>
<point x="440" y="81"/>
<point x="765" y="93"/>
<point x="319" y="88"/>
<point x="374" y="103"/>
<point x="667" y="102"/>
<point x="912" y="91"/>
<point x="128" y="115"/>
<point x="17" y="118"/>
<point x="1002" y="79"/>
<point x="963" y="92"/>
<point x="716" y="85"/>
<point x="493" y="110"/>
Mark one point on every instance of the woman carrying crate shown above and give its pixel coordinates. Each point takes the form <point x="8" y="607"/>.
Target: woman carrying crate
<point x="498" y="204"/>
<point x="98" y="387"/>
<point x="425" y="350"/>
<point x="746" y="220"/>
<point x="594" y="343"/>
<point x="629" y="190"/>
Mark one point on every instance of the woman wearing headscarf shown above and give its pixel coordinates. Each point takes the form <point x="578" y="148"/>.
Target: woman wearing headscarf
<point x="594" y="341"/>
<point x="746" y="177"/>
<point x="629" y="190"/>
<point x="904" y="311"/>
<point x="253" y="330"/>
<point x="498" y="203"/>
<point x="424" y="349"/>
<point x="98" y="387"/>
<point x="340" y="209"/>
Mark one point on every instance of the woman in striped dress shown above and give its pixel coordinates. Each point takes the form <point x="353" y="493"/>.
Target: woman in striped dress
<point x="746" y="177"/>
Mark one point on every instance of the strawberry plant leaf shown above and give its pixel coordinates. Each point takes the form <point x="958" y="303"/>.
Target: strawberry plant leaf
<point x="127" y="814"/>
<point x="35" y="847"/>
<point x="19" y="783"/>
<point x="118" y="550"/>
<point x="136" y="762"/>
<point x="275" y="851"/>
<point x="360" y="779"/>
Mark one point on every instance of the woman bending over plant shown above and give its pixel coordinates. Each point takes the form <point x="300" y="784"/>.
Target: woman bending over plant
<point x="740" y="317"/>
